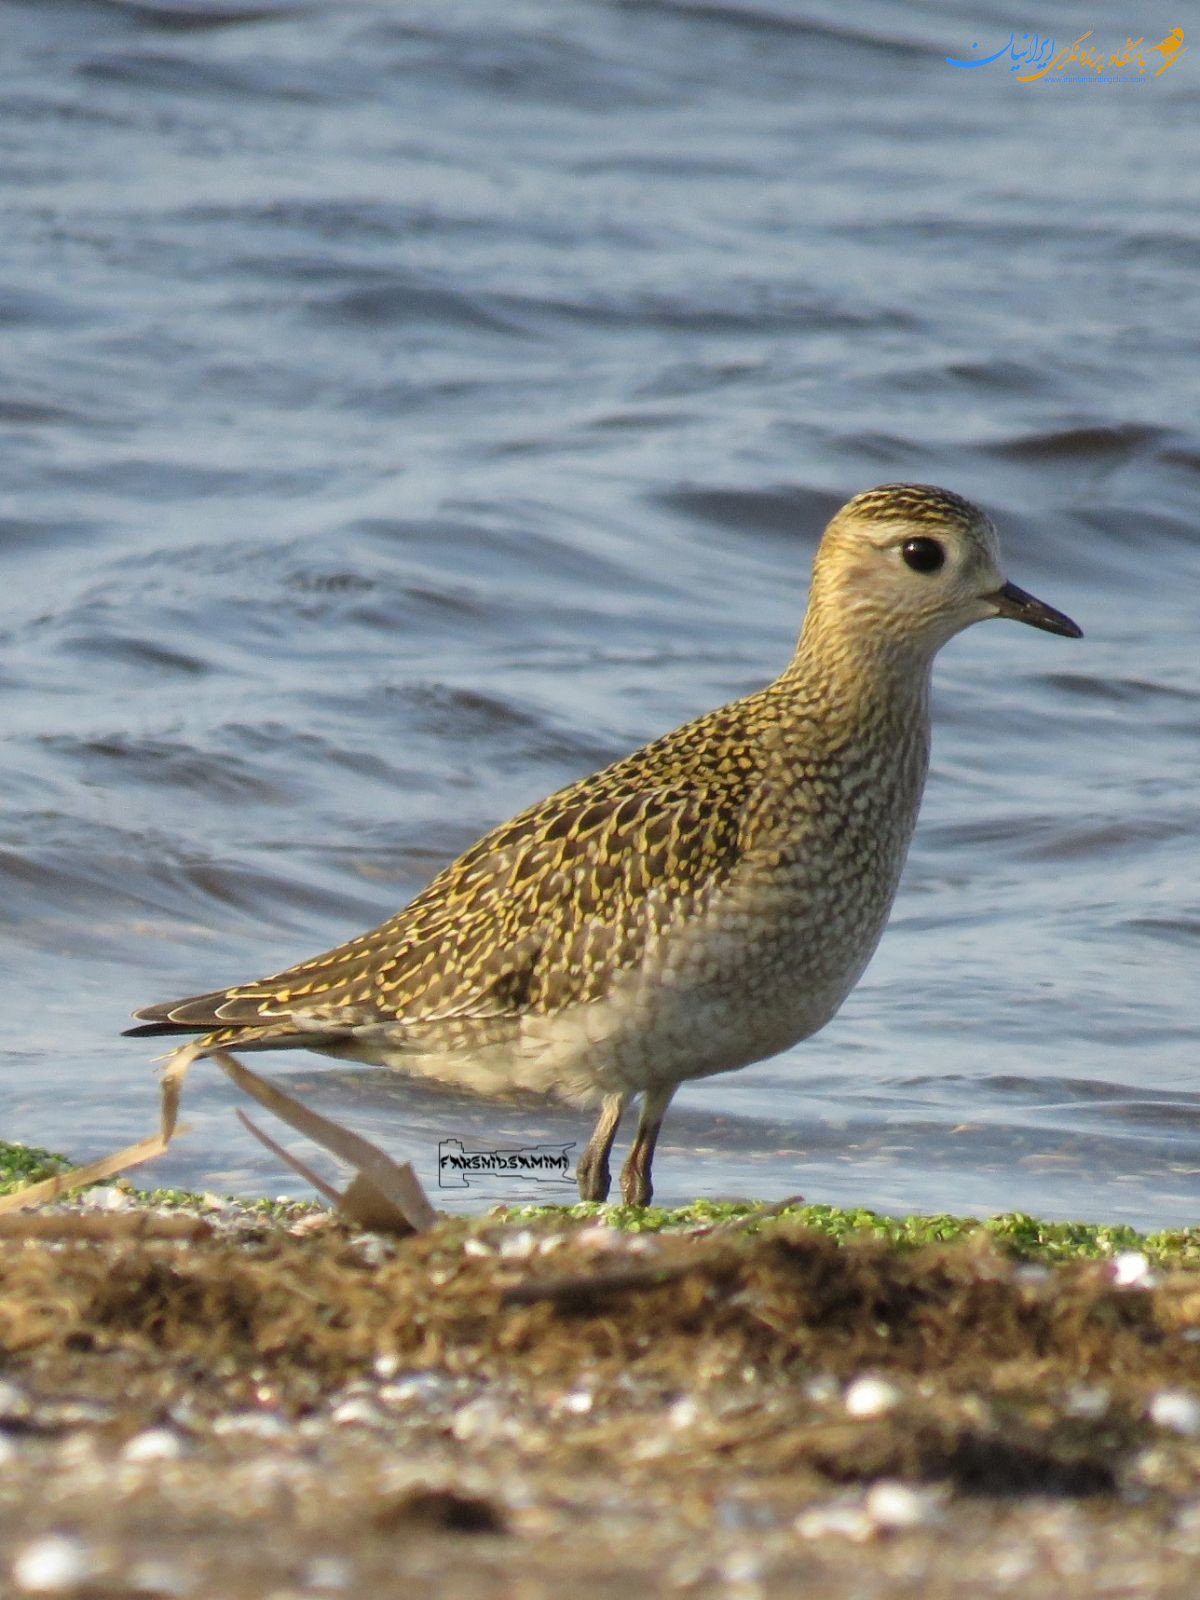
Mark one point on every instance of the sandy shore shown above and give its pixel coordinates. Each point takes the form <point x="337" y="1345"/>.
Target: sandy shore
<point x="227" y="1403"/>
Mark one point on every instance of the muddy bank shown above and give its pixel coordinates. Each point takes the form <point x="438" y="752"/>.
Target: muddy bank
<point x="237" y="1404"/>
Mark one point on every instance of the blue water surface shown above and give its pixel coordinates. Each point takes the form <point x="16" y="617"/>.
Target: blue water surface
<point x="406" y="408"/>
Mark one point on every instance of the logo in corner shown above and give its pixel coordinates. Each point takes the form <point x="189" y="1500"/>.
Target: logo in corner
<point x="1080" y="62"/>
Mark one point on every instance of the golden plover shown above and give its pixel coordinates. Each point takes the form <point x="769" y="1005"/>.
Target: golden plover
<point x="701" y="904"/>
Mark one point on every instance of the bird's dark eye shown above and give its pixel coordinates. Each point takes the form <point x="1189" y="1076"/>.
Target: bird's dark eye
<point x="924" y="555"/>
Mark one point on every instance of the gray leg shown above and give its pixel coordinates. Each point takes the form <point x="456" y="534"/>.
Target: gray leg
<point x="635" y="1177"/>
<point x="592" y="1171"/>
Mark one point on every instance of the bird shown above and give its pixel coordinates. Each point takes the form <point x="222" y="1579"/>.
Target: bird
<point x="701" y="904"/>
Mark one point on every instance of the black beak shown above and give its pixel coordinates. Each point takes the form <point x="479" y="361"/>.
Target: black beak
<point x="1013" y="602"/>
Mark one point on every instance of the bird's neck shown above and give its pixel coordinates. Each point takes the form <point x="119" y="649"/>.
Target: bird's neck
<point x="851" y="725"/>
<point x="860" y="678"/>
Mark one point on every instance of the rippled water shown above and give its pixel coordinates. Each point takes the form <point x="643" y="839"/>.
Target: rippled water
<point x="407" y="408"/>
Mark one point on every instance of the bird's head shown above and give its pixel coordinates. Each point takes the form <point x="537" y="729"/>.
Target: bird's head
<point x="906" y="566"/>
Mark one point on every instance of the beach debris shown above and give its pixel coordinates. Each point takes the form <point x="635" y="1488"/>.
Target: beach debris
<point x="1131" y="1270"/>
<point x="105" y="1226"/>
<point x="446" y="1508"/>
<point x="838" y="1520"/>
<point x="579" y="1291"/>
<point x="871" y="1397"/>
<point x="153" y="1445"/>
<point x="55" y="1564"/>
<point x="50" y="1189"/>
<point x="384" y="1196"/>
<point x="893" y="1506"/>
<point x="888" y="1506"/>
<point x="1175" y="1409"/>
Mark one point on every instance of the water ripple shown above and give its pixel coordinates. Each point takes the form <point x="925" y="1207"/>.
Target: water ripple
<point x="409" y="410"/>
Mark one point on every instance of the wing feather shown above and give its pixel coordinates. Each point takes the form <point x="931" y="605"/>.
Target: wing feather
<point x="539" y="913"/>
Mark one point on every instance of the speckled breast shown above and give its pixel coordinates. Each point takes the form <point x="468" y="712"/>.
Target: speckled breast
<point x="779" y="946"/>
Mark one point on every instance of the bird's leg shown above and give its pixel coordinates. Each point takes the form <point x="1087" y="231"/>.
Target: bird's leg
<point x="636" y="1187"/>
<point x="592" y="1171"/>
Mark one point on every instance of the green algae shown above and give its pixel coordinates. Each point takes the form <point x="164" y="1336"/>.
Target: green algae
<point x="1016" y="1233"/>
<point x="22" y="1164"/>
<point x="26" y="1163"/>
